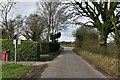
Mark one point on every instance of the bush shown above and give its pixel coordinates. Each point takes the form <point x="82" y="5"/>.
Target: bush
<point x="49" y="47"/>
<point x="27" y="51"/>
<point x="88" y="41"/>
<point x="54" y="46"/>
<point x="44" y="48"/>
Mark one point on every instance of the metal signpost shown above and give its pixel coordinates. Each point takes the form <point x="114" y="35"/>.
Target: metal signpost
<point x="16" y="41"/>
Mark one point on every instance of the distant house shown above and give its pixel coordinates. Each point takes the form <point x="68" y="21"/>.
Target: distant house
<point x="22" y="37"/>
<point x="25" y="36"/>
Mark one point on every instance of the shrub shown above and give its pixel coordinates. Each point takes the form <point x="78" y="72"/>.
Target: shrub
<point x="44" y="48"/>
<point x="49" y="47"/>
<point x="88" y="41"/>
<point x="27" y="51"/>
<point x="54" y="46"/>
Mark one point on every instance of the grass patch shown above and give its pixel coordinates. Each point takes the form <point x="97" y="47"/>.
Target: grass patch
<point x="14" y="70"/>
<point x="67" y="44"/>
<point x="106" y="62"/>
<point x="44" y="55"/>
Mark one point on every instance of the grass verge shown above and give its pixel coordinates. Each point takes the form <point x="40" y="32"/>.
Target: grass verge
<point x="110" y="65"/>
<point x="14" y="70"/>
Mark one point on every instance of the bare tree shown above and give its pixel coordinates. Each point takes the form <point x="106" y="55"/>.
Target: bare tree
<point x="11" y="25"/>
<point x="5" y="8"/>
<point x="35" y="27"/>
<point x="55" y="15"/>
<point x="100" y="14"/>
<point x="19" y="21"/>
<point x="116" y="34"/>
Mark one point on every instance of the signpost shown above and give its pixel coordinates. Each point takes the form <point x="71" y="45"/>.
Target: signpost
<point x="15" y="50"/>
<point x="15" y="42"/>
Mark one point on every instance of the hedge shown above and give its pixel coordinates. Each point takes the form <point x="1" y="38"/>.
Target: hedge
<point x="54" y="46"/>
<point x="26" y="51"/>
<point x="30" y="50"/>
<point x="7" y="44"/>
<point x="49" y="47"/>
<point x="44" y="48"/>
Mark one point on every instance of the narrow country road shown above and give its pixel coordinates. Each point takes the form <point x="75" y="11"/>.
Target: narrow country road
<point x="70" y="65"/>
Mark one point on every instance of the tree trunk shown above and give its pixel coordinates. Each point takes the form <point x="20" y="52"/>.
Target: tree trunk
<point x="49" y="23"/>
<point x="48" y="35"/>
<point x="103" y="39"/>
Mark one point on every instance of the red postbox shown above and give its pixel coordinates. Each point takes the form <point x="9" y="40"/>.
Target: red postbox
<point x="5" y="55"/>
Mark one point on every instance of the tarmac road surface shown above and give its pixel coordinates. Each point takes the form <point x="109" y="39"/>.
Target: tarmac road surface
<point x="70" y="65"/>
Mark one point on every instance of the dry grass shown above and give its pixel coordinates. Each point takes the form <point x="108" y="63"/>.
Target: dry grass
<point x="106" y="62"/>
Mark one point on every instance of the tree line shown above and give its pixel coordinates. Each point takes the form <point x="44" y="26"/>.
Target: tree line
<point x="52" y="17"/>
<point x="44" y="24"/>
<point x="103" y="16"/>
